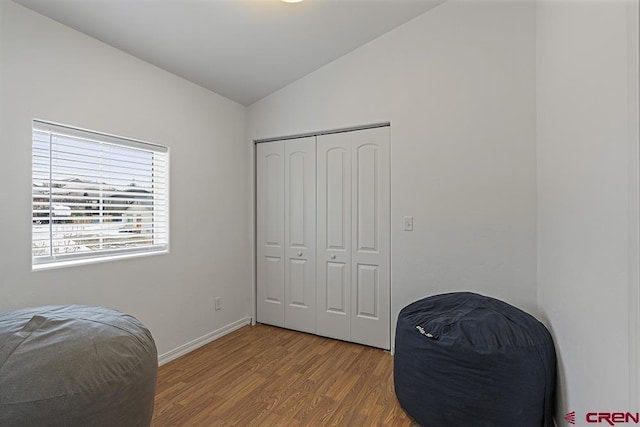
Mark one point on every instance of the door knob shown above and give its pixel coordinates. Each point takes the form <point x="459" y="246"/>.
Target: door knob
<point x="299" y="253"/>
<point x="333" y="256"/>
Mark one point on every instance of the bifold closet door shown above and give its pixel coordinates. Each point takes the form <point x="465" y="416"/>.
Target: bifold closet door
<point x="371" y="238"/>
<point x="300" y="234"/>
<point x="334" y="236"/>
<point x="270" y="232"/>
<point x="353" y="235"/>
<point x="286" y="221"/>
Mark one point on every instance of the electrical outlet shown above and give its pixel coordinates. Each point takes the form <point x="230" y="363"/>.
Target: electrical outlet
<point x="218" y="304"/>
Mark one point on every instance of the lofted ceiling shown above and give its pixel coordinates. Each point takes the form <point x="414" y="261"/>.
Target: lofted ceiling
<point x="241" y="49"/>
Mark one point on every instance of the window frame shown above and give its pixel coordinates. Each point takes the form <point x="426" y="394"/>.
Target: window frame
<point x="149" y="204"/>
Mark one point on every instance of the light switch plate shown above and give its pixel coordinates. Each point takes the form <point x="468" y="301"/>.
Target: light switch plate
<point x="407" y="223"/>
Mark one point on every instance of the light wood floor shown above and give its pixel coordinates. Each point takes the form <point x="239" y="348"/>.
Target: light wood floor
<point x="266" y="376"/>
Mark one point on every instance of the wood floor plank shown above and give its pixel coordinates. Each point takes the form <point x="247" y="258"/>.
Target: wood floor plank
<point x="266" y="376"/>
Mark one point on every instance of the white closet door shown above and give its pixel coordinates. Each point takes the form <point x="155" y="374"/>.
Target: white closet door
<point x="323" y="235"/>
<point x="334" y="236"/>
<point x="370" y="236"/>
<point x="270" y="233"/>
<point x="300" y="234"/>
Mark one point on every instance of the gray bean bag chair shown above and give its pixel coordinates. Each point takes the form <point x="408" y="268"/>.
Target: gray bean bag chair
<point x="75" y="366"/>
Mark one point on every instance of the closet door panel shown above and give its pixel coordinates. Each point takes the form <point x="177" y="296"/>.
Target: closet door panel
<point x="334" y="236"/>
<point x="367" y="293"/>
<point x="336" y="288"/>
<point x="270" y="233"/>
<point x="370" y="292"/>
<point x="300" y="234"/>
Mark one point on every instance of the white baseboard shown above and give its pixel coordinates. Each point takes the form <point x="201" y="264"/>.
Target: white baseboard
<point x="203" y="340"/>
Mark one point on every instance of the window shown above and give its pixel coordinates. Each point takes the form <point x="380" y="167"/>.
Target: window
<point x="96" y="195"/>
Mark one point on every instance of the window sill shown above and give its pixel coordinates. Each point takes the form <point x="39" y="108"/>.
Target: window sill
<point x="85" y="261"/>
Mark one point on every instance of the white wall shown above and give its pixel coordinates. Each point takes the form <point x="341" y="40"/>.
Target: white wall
<point x="457" y="85"/>
<point x="52" y="72"/>
<point x="587" y="176"/>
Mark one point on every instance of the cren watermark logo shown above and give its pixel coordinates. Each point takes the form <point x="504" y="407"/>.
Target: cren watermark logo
<point x="607" y="418"/>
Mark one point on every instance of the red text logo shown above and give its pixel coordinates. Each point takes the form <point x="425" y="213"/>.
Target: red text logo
<point x="612" y="418"/>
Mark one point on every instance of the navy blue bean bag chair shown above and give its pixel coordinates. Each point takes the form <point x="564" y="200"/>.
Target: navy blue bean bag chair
<point x="463" y="359"/>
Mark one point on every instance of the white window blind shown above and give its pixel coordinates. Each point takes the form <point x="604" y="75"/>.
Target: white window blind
<point x="96" y="195"/>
